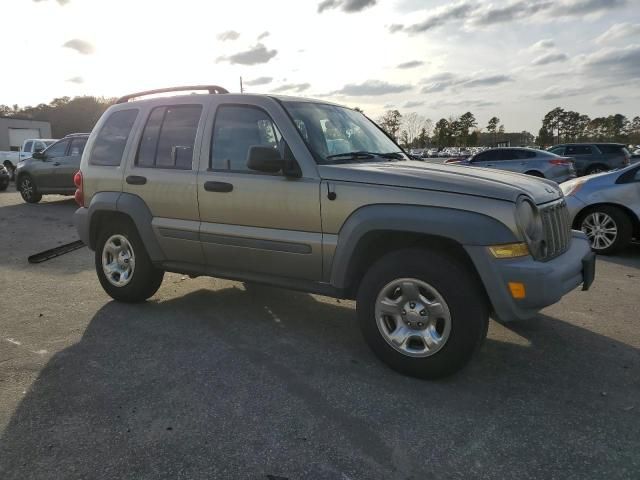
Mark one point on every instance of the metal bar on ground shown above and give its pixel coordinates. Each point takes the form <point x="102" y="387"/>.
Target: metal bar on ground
<point x="55" y="252"/>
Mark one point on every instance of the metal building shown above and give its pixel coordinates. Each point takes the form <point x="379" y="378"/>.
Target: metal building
<point x="15" y="130"/>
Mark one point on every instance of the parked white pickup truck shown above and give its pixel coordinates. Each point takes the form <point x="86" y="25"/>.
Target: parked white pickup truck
<point x="10" y="159"/>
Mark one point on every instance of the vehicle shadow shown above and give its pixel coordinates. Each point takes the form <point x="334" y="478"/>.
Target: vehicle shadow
<point x="245" y="384"/>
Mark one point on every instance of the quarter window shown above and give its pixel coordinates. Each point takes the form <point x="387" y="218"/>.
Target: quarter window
<point x="169" y="137"/>
<point x="236" y="130"/>
<point x="112" y="138"/>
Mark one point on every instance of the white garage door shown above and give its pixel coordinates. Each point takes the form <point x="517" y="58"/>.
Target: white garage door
<point x="17" y="136"/>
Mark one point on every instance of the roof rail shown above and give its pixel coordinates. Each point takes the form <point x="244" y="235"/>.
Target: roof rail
<point x="210" y="88"/>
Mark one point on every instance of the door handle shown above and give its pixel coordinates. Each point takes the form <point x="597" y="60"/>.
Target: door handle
<point x="56" y="164"/>
<point x="136" y="180"/>
<point x="222" y="187"/>
<point x="489" y="165"/>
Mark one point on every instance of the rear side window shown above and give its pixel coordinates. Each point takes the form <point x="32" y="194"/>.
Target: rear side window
<point x="27" y="147"/>
<point x="169" y="137"/>
<point x="611" y="148"/>
<point x="112" y="138"/>
<point x="579" y="150"/>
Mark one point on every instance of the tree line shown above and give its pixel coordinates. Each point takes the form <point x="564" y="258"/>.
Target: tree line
<point x="561" y="125"/>
<point x="65" y="114"/>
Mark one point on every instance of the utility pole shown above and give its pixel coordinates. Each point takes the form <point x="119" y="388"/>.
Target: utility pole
<point x="241" y="89"/>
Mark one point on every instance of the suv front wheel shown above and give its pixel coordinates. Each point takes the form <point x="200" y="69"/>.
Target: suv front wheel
<point x="28" y="189"/>
<point x="422" y="313"/>
<point x="123" y="266"/>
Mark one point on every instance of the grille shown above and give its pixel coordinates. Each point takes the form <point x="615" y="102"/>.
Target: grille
<point x="557" y="229"/>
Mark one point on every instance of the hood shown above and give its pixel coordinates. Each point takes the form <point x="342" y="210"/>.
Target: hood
<point x="482" y="182"/>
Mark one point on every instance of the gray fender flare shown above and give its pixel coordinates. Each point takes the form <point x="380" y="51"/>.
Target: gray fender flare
<point x="461" y="226"/>
<point x="134" y="207"/>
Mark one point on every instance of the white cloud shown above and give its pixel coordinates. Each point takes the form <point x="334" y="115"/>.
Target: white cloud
<point x="619" y="31"/>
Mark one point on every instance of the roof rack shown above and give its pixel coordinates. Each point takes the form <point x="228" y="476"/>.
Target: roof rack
<point x="210" y="88"/>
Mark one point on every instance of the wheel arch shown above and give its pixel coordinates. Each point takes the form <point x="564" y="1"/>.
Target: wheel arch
<point x="535" y="173"/>
<point x="635" y="221"/>
<point x="373" y="231"/>
<point x="111" y="206"/>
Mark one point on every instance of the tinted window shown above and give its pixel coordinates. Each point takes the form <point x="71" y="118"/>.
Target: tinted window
<point x="557" y="150"/>
<point x="236" y="130"/>
<point x="169" y="137"/>
<point x="112" y="138"/>
<point x="149" y="141"/>
<point x="58" y="149"/>
<point x="27" y="147"/>
<point x="77" y="146"/>
<point x="610" y="148"/>
<point x="579" y="150"/>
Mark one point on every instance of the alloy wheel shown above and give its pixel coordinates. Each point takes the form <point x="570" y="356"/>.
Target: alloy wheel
<point x="413" y="317"/>
<point x="601" y="230"/>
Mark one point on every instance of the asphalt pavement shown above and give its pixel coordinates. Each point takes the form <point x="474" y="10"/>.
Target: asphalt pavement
<point x="211" y="379"/>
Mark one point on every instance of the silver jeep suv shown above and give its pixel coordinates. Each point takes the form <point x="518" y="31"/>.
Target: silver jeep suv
<point x="313" y="196"/>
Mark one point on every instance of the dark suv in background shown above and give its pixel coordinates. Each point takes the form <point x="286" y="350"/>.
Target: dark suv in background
<point x="52" y="170"/>
<point x="594" y="157"/>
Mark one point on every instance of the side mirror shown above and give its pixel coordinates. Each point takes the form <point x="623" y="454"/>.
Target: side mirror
<point x="264" y="159"/>
<point x="38" y="149"/>
<point x="38" y="155"/>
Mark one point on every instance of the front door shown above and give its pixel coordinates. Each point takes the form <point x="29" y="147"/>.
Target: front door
<point x="255" y="222"/>
<point x="163" y="175"/>
<point x="64" y="168"/>
<point x="43" y="168"/>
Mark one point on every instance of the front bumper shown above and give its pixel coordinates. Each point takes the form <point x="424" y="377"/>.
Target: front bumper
<point x="545" y="282"/>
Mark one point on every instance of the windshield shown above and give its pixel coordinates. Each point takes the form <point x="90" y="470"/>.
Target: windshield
<point x="337" y="134"/>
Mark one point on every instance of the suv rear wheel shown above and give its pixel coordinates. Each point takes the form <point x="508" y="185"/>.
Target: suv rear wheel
<point x="123" y="266"/>
<point x="422" y="313"/>
<point x="28" y="189"/>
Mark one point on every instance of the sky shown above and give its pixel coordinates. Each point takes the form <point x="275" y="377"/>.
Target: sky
<point x="516" y="59"/>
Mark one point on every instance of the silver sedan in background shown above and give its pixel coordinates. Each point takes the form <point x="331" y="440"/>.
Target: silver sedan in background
<point x="538" y="163"/>
<point x="606" y="207"/>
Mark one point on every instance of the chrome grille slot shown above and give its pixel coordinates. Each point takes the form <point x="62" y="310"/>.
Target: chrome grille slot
<point x="557" y="231"/>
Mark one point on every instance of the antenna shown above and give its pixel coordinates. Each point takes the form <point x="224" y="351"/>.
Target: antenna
<point x="241" y="89"/>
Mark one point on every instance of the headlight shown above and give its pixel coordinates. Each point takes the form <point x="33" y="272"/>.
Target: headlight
<point x="530" y="225"/>
<point x="571" y="188"/>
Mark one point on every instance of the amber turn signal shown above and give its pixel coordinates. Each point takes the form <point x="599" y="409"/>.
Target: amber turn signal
<point x="509" y="250"/>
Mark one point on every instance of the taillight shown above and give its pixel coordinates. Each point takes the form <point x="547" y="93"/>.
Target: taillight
<point x="560" y="161"/>
<point x="79" y="195"/>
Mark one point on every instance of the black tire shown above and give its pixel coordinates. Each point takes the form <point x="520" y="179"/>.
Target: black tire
<point x="4" y="185"/>
<point x="467" y="304"/>
<point x="28" y="189"/>
<point x="533" y="173"/>
<point x="622" y="224"/>
<point x="596" y="169"/>
<point x="145" y="279"/>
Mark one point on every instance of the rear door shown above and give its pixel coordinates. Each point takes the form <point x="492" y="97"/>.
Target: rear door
<point x="162" y="173"/>
<point x="64" y="168"/>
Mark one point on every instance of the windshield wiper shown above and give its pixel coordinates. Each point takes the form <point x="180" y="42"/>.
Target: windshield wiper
<point x="367" y="155"/>
<point x="352" y="155"/>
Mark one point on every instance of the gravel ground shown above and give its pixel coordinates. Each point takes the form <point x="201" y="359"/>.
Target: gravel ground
<point x="211" y="380"/>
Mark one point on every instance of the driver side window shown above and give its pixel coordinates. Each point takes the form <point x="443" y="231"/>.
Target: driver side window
<point x="57" y="149"/>
<point x="236" y="129"/>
